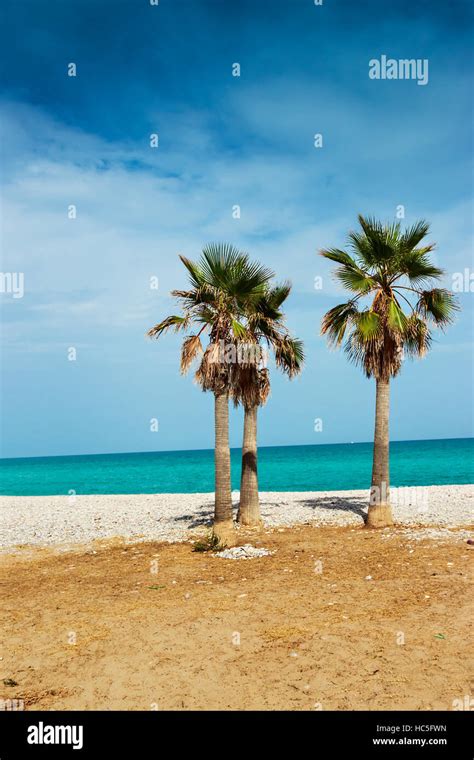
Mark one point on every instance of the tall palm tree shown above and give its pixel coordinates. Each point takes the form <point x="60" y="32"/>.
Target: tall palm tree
<point x="222" y="284"/>
<point x="251" y="387"/>
<point x="390" y="267"/>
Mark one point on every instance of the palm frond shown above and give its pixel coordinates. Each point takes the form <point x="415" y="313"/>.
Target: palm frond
<point x="336" y="321"/>
<point x="220" y="262"/>
<point x="383" y="239"/>
<point x="289" y="355"/>
<point x="438" y="305"/>
<point x="362" y="248"/>
<point x="417" y="338"/>
<point x="251" y="281"/>
<point x="175" y="321"/>
<point x="368" y="324"/>
<point x="355" y="279"/>
<point x="195" y="274"/>
<point x="278" y="294"/>
<point x="414" y="235"/>
<point x="416" y="265"/>
<point x="341" y="257"/>
<point x="238" y="330"/>
<point x="190" y="349"/>
<point x="396" y="319"/>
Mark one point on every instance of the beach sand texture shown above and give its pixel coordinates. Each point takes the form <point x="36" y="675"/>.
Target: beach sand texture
<point x="334" y="618"/>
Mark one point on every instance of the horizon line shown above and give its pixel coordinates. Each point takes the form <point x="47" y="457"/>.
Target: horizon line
<point x="232" y="448"/>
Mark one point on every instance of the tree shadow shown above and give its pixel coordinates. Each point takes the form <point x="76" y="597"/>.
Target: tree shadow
<point x="330" y="503"/>
<point x="339" y="503"/>
<point x="196" y="521"/>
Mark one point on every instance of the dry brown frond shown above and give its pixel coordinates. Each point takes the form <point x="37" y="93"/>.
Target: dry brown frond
<point x="190" y="349"/>
<point x="264" y="386"/>
<point x="213" y="373"/>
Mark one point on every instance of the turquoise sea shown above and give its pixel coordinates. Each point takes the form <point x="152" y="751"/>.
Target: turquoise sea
<point x="281" y="468"/>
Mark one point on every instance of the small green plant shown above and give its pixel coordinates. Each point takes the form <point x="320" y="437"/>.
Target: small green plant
<point x="210" y="543"/>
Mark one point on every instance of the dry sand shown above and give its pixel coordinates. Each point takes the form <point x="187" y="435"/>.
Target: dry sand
<point x="334" y="618"/>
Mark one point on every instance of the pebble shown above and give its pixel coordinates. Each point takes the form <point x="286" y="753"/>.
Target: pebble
<point x="243" y="552"/>
<point x="49" y="520"/>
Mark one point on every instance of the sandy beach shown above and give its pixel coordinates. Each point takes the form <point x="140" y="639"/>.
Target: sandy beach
<point x="49" y="520"/>
<point x="106" y="605"/>
<point x="332" y="619"/>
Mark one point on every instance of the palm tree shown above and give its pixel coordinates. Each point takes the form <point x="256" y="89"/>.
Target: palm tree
<point x="264" y="324"/>
<point x="392" y="268"/>
<point x="222" y="284"/>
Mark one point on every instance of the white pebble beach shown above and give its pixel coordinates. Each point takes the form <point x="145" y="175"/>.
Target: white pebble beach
<point x="66" y="520"/>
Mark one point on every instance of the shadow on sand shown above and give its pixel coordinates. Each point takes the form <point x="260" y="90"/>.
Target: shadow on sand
<point x="196" y="521"/>
<point x="341" y="503"/>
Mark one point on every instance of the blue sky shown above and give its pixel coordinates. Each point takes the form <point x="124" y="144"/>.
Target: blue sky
<point x="223" y="140"/>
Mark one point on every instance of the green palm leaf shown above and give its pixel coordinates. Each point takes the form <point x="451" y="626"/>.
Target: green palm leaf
<point x="179" y="323"/>
<point x="337" y="320"/>
<point x="396" y="319"/>
<point x="238" y="330"/>
<point x="341" y="257"/>
<point x="437" y="304"/>
<point x="368" y="324"/>
<point x="414" y="235"/>
<point x="415" y="264"/>
<point x="355" y="279"/>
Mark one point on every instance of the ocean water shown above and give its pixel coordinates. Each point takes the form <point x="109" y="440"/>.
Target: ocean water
<point x="281" y="468"/>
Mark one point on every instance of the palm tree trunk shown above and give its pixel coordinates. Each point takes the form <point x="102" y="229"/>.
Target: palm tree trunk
<point x="380" y="513"/>
<point x="223" y="522"/>
<point x="249" y="508"/>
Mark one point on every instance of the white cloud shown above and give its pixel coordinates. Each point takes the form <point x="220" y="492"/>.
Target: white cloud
<point x="138" y="208"/>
